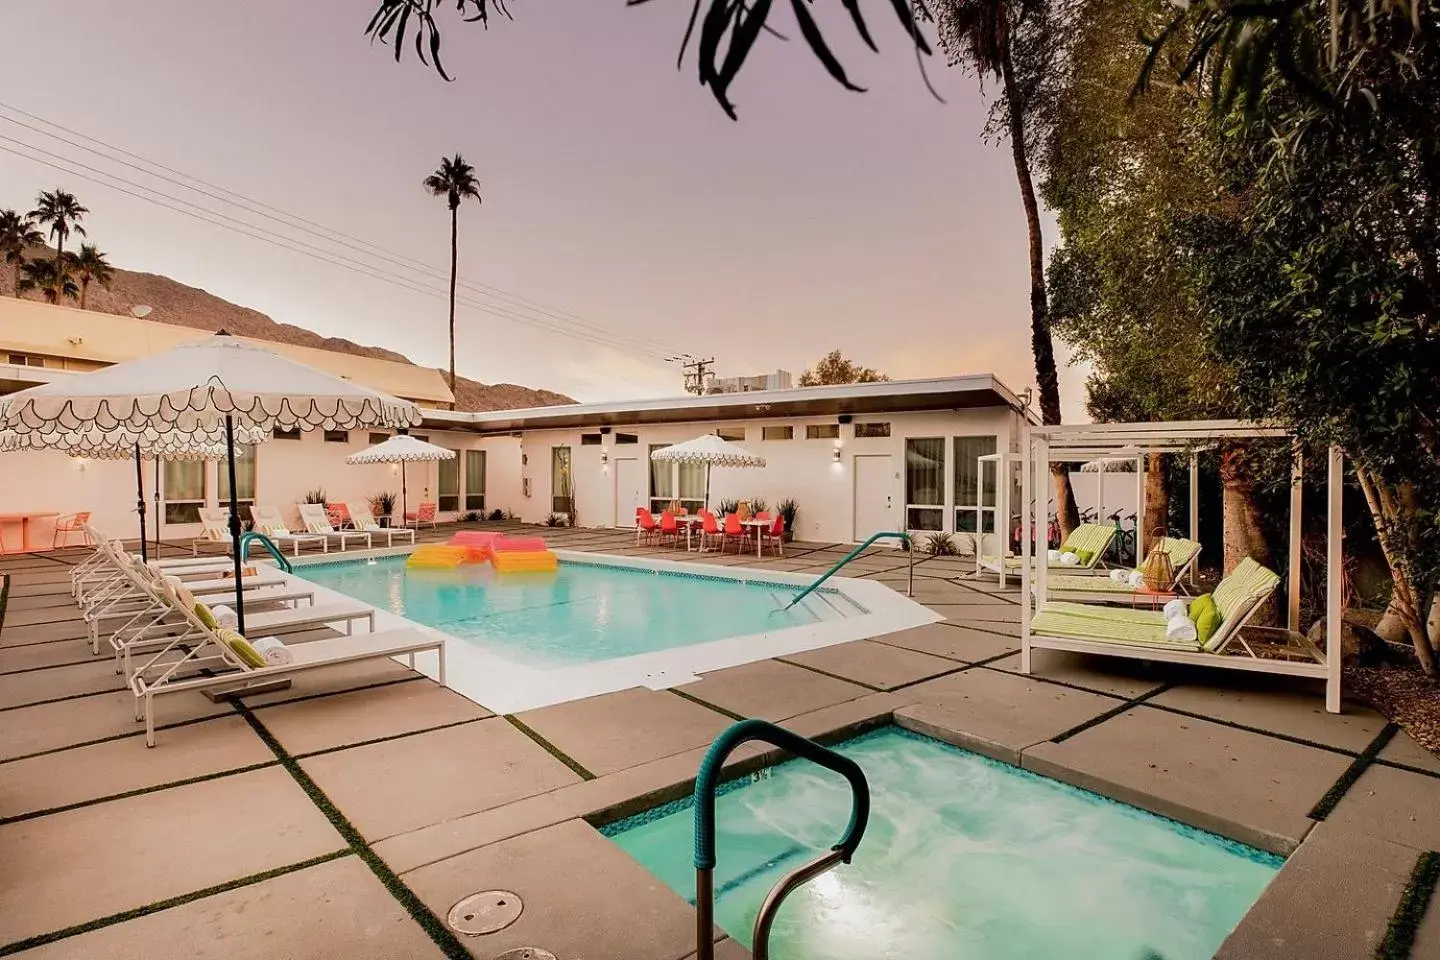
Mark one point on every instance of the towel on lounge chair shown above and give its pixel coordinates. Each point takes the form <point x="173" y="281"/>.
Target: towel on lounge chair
<point x="276" y="654"/>
<point x="224" y="616"/>
<point x="1181" y="629"/>
<point x="1119" y="576"/>
<point x="1068" y="559"/>
<point x="1052" y="557"/>
<point x="1175" y="608"/>
<point x="1135" y="579"/>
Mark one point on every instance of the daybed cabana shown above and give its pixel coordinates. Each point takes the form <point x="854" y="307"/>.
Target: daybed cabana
<point x="1140" y="634"/>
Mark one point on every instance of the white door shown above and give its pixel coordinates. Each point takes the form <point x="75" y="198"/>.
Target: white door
<point x="874" y="496"/>
<point x="629" y="490"/>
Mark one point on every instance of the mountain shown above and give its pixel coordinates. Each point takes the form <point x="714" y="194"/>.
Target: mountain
<point x="185" y="306"/>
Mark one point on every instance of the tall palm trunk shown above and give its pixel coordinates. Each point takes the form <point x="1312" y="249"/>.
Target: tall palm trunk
<point x="1244" y="531"/>
<point x="15" y="277"/>
<point x="1041" y="345"/>
<point x="59" y="262"/>
<point x="84" y="288"/>
<point x="1157" y="501"/>
<point x="454" y="258"/>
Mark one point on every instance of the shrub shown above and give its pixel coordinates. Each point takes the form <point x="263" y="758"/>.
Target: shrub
<point x="471" y="516"/>
<point x="509" y="515"/>
<point x="316" y="496"/>
<point x="496" y="514"/>
<point x="941" y="545"/>
<point x="788" y="509"/>
<point x="727" y="506"/>
<point x="383" y="504"/>
<point x="555" y="520"/>
<point x="758" y="504"/>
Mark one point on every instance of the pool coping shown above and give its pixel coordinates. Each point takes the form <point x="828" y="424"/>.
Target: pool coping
<point x="504" y="686"/>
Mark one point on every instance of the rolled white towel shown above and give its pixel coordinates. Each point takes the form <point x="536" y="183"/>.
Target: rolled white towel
<point x="276" y="654"/>
<point x="224" y="616"/>
<point x="1068" y="559"/>
<point x="1181" y="628"/>
<point x="1175" y="608"/>
<point x="1119" y="576"/>
<point x="1135" y="579"/>
<point x="1052" y="557"/>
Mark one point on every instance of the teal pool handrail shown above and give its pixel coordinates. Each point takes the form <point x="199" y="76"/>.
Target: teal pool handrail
<point x="248" y="538"/>
<point x="706" y="781"/>
<point x="882" y="535"/>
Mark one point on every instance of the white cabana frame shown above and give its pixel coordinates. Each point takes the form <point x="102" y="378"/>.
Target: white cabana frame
<point x="1044" y="445"/>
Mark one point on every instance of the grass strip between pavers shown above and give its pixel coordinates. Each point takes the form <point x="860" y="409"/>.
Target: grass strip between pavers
<point x="29" y="943"/>
<point x="139" y="791"/>
<point x="1399" y="936"/>
<point x="5" y="580"/>
<point x="833" y="676"/>
<point x="707" y="704"/>
<point x="550" y="748"/>
<point x="1110" y="714"/>
<point x="433" y="926"/>
<point x="1326" y="804"/>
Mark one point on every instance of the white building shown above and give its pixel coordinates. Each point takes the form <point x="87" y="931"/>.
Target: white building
<point x="857" y="458"/>
<point x="779" y="380"/>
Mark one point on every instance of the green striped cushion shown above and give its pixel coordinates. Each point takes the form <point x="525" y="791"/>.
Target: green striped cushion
<point x="1181" y="551"/>
<point x="1246" y="581"/>
<point x="1054" y="623"/>
<point x="1094" y="537"/>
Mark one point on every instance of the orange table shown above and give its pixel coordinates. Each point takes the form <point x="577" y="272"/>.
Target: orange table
<point x="24" y="519"/>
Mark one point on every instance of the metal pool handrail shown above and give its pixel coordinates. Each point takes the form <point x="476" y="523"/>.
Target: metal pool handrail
<point x="910" y="571"/>
<point x="708" y="778"/>
<point x="247" y="538"/>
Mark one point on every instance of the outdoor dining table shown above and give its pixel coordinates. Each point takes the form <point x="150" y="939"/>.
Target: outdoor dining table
<point x="758" y="527"/>
<point x="24" y="519"/>
<point x="690" y="521"/>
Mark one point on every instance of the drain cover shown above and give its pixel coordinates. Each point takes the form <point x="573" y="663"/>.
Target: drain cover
<point x="525" y="953"/>
<point x="487" y="912"/>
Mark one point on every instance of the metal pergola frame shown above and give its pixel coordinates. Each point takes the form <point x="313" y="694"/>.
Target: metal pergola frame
<point x="1043" y="445"/>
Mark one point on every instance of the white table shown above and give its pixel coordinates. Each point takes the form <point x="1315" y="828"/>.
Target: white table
<point x="757" y="527"/>
<point x="689" y="521"/>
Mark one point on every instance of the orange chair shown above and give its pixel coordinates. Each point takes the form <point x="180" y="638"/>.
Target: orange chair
<point x="763" y="515"/>
<point x="669" y="527"/>
<point x="339" y="515"/>
<point x="734" y="531"/>
<point x="775" y="535"/>
<point x="710" y="531"/>
<point x="646" y="528"/>
<point x="66" y="525"/>
<point x="424" y="514"/>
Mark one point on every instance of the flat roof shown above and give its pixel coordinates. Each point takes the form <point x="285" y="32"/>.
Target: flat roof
<point x="857" y="399"/>
<point x="29" y="326"/>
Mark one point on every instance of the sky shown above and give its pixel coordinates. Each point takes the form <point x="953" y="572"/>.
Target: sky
<point x="624" y="216"/>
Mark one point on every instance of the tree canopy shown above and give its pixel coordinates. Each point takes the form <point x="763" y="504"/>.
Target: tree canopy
<point x="835" y="368"/>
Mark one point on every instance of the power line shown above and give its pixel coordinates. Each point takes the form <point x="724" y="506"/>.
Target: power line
<point x="297" y="246"/>
<point x="550" y="319"/>
<point x="696" y="372"/>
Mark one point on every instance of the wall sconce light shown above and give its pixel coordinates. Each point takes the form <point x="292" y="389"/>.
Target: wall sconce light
<point x="81" y="463"/>
<point x="835" y="454"/>
<point x="604" y="456"/>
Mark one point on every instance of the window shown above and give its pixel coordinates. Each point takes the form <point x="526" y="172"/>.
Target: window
<point x="184" y="490"/>
<point x="337" y="436"/>
<point x="26" y="360"/>
<point x="244" y="478"/>
<point x="925" y="484"/>
<point x="662" y="480"/>
<point x="692" y="485"/>
<point x="590" y="439"/>
<point x="422" y="437"/>
<point x="734" y="434"/>
<point x="822" y="431"/>
<point x="777" y="433"/>
<point x="279" y="434"/>
<point x="626" y="438"/>
<point x="562" y="482"/>
<point x="378" y="438"/>
<point x="871" y="431"/>
<point x="449" y="484"/>
<point x="474" y="479"/>
<point x="967" y="465"/>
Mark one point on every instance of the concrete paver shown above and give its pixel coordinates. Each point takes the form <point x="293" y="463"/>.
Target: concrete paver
<point x="37" y="686"/>
<point x="96" y="861"/>
<point x="1402" y="749"/>
<point x="617" y="730"/>
<point x="950" y="641"/>
<point x="1266" y="706"/>
<point x="878" y="665"/>
<point x="367" y="714"/>
<point x="1243" y="785"/>
<point x="583" y="897"/>
<point x="1113" y="675"/>
<point x="1394" y="805"/>
<point x="771" y="690"/>
<point x="31" y="656"/>
<point x="329" y="911"/>
<point x="340" y="679"/>
<point x="399" y="785"/>
<point x="52" y="725"/>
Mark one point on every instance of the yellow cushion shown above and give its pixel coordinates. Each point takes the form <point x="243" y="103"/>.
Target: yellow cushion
<point x="242" y="647"/>
<point x="203" y="614"/>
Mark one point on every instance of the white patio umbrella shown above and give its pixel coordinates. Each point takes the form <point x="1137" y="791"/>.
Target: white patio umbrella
<point x="214" y="384"/>
<point x="124" y="445"/>
<point x="711" y="451"/>
<point x="402" y="449"/>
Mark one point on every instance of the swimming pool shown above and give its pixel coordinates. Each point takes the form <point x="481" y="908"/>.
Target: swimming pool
<point x="965" y="858"/>
<point x="604" y="623"/>
<point x="583" y="613"/>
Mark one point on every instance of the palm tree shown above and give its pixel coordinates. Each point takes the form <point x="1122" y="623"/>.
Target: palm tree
<point x="63" y="213"/>
<point x="17" y="232"/>
<point x="980" y="34"/>
<point x="40" y="275"/>
<point x="455" y="181"/>
<point x="90" y="266"/>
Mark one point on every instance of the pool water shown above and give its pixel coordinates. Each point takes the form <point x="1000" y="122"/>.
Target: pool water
<point x="582" y="613"/>
<point x="965" y="858"/>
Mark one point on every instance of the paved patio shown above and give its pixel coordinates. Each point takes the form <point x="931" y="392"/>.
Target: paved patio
<point x="343" y="817"/>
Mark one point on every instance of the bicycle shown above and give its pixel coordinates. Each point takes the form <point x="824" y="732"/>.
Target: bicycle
<point x="1125" y="551"/>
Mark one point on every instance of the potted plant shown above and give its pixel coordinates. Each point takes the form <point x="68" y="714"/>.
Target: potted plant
<point x="788" y="508"/>
<point x="383" y="505"/>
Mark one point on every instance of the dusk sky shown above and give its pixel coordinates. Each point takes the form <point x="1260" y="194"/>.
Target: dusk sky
<point x="615" y="190"/>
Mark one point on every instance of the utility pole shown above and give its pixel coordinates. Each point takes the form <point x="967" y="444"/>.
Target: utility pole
<point x="696" y="371"/>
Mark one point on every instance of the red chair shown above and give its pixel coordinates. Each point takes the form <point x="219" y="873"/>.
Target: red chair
<point x="66" y="525"/>
<point x="734" y="531"/>
<point x="669" y="527"/>
<point x="775" y="535"/>
<point x="710" y="531"/>
<point x="339" y="515"/>
<point x="646" y="528"/>
<point x="763" y="515"/>
<point x="425" y="514"/>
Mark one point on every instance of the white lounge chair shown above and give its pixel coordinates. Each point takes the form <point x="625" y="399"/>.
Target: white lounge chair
<point x="365" y="522"/>
<point x="214" y="529"/>
<point x="227" y="664"/>
<point x="1089" y="540"/>
<point x="269" y="522"/>
<point x="317" y="522"/>
<point x="1088" y="588"/>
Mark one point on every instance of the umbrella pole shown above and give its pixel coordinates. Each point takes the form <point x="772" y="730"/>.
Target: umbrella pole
<point x="404" y="507"/>
<point x="140" y="502"/>
<point x="707" y="486"/>
<point x="234" y="525"/>
<point x="157" y="506"/>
